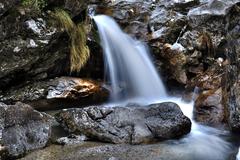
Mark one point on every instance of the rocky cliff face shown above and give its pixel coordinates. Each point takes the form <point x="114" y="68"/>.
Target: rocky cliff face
<point x="34" y="50"/>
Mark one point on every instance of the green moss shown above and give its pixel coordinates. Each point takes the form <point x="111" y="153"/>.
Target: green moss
<point x="78" y="48"/>
<point x="37" y="4"/>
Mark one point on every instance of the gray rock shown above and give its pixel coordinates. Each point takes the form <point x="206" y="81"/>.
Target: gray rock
<point x="71" y="140"/>
<point x="181" y="5"/>
<point x="5" y="5"/>
<point x="131" y="124"/>
<point x="147" y="20"/>
<point x="74" y="7"/>
<point x="214" y="8"/>
<point x="28" y="48"/>
<point x="23" y="129"/>
<point x="47" y="94"/>
<point x="212" y="11"/>
<point x="231" y="97"/>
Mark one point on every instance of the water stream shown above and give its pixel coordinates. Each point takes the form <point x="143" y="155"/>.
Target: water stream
<point x="133" y="78"/>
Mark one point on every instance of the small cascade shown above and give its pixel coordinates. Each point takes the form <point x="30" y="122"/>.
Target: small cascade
<point x="131" y="73"/>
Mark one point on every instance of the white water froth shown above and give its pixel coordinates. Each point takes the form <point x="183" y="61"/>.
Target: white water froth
<point x="238" y="155"/>
<point x="134" y="79"/>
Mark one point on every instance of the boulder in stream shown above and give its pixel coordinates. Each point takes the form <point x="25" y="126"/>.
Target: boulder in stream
<point x="132" y="124"/>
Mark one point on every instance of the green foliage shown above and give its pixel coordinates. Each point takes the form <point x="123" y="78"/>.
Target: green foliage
<point x="78" y="48"/>
<point x="37" y="4"/>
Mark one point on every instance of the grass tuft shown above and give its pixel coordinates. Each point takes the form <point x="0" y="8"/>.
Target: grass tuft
<point x="79" y="51"/>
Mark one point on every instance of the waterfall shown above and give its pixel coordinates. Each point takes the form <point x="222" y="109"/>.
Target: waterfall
<point x="133" y="77"/>
<point x="127" y="64"/>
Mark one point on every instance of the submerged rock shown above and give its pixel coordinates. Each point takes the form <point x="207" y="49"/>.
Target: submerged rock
<point x="22" y="129"/>
<point x="131" y="124"/>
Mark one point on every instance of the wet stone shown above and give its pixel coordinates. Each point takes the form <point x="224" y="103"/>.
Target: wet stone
<point x="131" y="124"/>
<point x="23" y="129"/>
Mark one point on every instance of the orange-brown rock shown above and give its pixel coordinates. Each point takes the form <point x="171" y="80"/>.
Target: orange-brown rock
<point x="75" y="88"/>
<point x="58" y="93"/>
<point x="208" y="80"/>
<point x="209" y="108"/>
<point x="176" y="61"/>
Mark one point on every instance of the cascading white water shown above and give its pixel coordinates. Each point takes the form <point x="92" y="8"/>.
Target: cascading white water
<point x="238" y="155"/>
<point x="133" y="77"/>
<point x="128" y="65"/>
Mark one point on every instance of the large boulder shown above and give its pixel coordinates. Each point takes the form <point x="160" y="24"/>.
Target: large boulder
<point x="22" y="129"/>
<point x="131" y="124"/>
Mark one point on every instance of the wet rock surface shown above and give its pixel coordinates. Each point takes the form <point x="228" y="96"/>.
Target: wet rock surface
<point x="32" y="46"/>
<point x="23" y="129"/>
<point x="176" y="60"/>
<point x="27" y="49"/>
<point x="73" y="88"/>
<point x="209" y="108"/>
<point x="209" y="11"/>
<point x="49" y="94"/>
<point x="104" y="151"/>
<point x="71" y="140"/>
<point x="131" y="124"/>
<point x="231" y="97"/>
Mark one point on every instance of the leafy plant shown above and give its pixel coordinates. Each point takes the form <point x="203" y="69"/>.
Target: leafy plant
<point x="79" y="51"/>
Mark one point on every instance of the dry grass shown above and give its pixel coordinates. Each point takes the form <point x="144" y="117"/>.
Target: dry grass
<point x="78" y="48"/>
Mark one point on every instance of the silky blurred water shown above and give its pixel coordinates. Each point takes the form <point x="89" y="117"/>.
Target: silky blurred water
<point x="128" y="66"/>
<point x="134" y="79"/>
